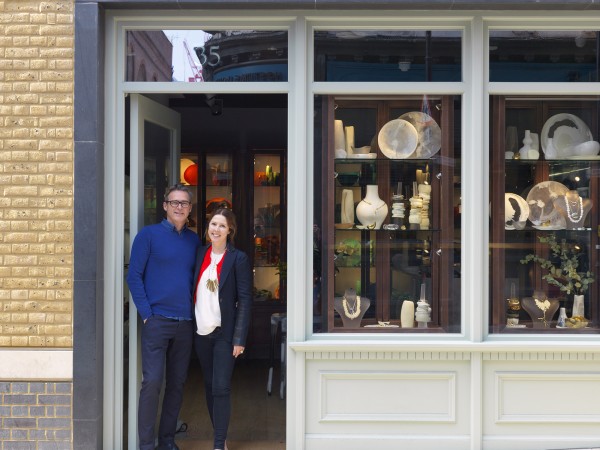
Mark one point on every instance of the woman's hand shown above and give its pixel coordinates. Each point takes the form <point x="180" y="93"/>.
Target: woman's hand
<point x="237" y="350"/>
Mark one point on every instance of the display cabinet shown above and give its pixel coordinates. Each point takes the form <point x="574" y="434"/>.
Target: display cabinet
<point x="253" y="185"/>
<point x="544" y="198"/>
<point x="388" y="200"/>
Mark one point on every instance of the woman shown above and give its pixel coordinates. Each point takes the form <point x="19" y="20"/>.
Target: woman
<point x="223" y="302"/>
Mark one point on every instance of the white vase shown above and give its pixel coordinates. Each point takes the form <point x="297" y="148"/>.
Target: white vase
<point x="338" y="136"/>
<point x="372" y="211"/>
<point x="578" y="308"/>
<point x="407" y="314"/>
<point x="349" y="137"/>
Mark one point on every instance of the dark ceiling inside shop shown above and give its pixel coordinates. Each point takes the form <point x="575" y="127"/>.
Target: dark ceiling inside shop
<point x="232" y="101"/>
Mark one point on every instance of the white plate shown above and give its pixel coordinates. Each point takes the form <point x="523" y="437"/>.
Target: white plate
<point x="429" y="134"/>
<point x="382" y="326"/>
<point x="362" y="156"/>
<point x="549" y="228"/>
<point x="398" y="139"/>
<point x="565" y="130"/>
<point x="516" y="326"/>
<point x="541" y="204"/>
<point x="516" y="210"/>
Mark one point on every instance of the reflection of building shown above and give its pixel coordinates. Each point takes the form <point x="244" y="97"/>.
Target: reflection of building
<point x="244" y="55"/>
<point x="149" y="56"/>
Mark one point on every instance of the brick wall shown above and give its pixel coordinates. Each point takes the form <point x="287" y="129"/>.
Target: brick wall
<point x="36" y="173"/>
<point x="35" y="416"/>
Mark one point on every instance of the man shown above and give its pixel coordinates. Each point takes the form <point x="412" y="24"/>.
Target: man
<point x="160" y="278"/>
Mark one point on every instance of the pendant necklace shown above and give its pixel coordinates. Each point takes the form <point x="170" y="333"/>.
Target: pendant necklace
<point x="371" y="204"/>
<point x="351" y="311"/>
<point x="212" y="283"/>
<point x="575" y="216"/>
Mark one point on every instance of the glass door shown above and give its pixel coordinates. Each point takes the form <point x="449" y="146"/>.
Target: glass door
<point x="153" y="166"/>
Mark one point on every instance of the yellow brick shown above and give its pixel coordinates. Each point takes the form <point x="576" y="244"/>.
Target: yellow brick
<point x="41" y="341"/>
<point x="21" y="237"/>
<point x="19" y="294"/>
<point x="55" y="306"/>
<point x="20" y="191"/>
<point x="36" y="317"/>
<point x="17" y="272"/>
<point x="63" y="295"/>
<point x="19" y="226"/>
<point x="63" y="6"/>
<point x="37" y="294"/>
<point x="5" y="341"/>
<point x="21" y="98"/>
<point x="19" y="329"/>
<point x="62" y="318"/>
<point x="4" y="317"/>
<point x="20" y="144"/>
<point x="18" y="284"/>
<point x="38" y="64"/>
<point x="4" y="295"/>
<point x="64" y="156"/>
<point x="63" y="341"/>
<point x="19" y="318"/>
<point x="18" y="341"/>
<point x="51" y="329"/>
<point x="20" y="30"/>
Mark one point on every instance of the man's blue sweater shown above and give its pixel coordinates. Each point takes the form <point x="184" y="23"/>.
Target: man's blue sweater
<point x="161" y="271"/>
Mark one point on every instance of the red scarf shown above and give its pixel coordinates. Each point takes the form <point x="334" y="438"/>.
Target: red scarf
<point x="204" y="266"/>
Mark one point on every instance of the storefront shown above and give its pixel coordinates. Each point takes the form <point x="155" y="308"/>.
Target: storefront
<point x="418" y="167"/>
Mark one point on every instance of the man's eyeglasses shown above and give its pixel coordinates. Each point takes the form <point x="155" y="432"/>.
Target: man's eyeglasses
<point x="177" y="203"/>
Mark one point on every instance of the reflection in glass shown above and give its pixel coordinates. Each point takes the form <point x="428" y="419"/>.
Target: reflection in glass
<point x="199" y="55"/>
<point x="544" y="56"/>
<point x="388" y="55"/>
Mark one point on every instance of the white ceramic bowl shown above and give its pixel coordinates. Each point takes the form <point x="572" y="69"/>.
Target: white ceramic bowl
<point x="589" y="148"/>
<point x="361" y="150"/>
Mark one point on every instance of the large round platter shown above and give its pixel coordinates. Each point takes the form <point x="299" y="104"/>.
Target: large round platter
<point x="429" y="134"/>
<point x="541" y="204"/>
<point x="566" y="131"/>
<point x="516" y="211"/>
<point x="397" y="139"/>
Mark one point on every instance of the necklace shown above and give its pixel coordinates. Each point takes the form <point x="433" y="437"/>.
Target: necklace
<point x="575" y="216"/>
<point x="371" y="204"/>
<point x="212" y="283"/>
<point x="351" y="312"/>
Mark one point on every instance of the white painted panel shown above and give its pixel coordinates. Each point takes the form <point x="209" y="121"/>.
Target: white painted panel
<point x="388" y="396"/>
<point x="36" y="365"/>
<point x="546" y="397"/>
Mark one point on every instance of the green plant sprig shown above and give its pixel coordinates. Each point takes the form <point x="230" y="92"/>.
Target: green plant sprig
<point x="564" y="276"/>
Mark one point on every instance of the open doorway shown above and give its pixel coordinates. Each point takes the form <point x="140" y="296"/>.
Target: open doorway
<point x="233" y="152"/>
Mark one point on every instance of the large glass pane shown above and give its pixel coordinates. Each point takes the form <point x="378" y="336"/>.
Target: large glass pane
<point x="206" y="55"/>
<point x="544" y="195"/>
<point x="558" y="56"/>
<point x="387" y="214"/>
<point x="388" y="55"/>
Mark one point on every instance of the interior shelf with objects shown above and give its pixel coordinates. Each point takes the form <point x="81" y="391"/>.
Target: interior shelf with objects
<point x="544" y="229"/>
<point x="387" y="222"/>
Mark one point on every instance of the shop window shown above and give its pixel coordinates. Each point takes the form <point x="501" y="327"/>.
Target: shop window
<point x="209" y="55"/>
<point x="386" y="252"/>
<point x="544" y="56"/>
<point x="387" y="55"/>
<point x="544" y="221"/>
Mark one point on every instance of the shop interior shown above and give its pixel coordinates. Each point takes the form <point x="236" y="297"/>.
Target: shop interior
<point x="234" y="154"/>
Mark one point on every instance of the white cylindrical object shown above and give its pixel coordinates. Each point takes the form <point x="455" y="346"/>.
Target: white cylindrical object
<point x="347" y="213"/>
<point x="578" y="306"/>
<point x="338" y="135"/>
<point x="407" y="314"/>
<point x="349" y="140"/>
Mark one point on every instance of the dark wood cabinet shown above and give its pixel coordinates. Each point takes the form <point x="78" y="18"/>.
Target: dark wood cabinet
<point x="575" y="173"/>
<point x="384" y="265"/>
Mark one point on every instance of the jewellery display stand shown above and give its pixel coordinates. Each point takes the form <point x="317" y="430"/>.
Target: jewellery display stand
<point x="351" y="308"/>
<point x="573" y="208"/>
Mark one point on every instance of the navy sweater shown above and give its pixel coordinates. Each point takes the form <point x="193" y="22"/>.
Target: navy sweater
<point x="161" y="271"/>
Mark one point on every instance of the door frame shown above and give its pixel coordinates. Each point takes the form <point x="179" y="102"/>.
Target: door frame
<point x="117" y="23"/>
